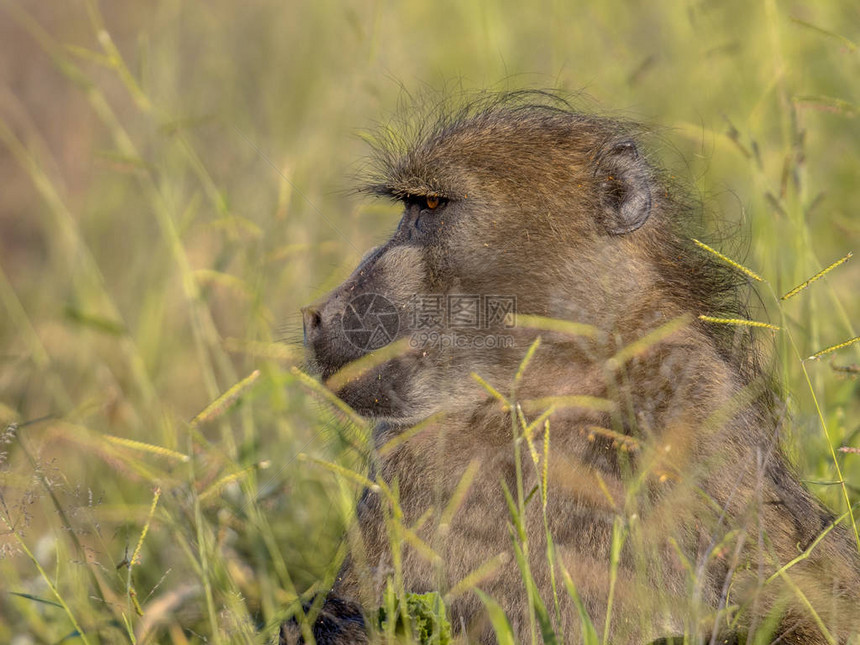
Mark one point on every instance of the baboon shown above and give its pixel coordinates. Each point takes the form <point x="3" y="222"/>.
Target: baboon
<point x="577" y="290"/>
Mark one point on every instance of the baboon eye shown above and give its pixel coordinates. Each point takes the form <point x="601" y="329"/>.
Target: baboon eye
<point x="425" y="202"/>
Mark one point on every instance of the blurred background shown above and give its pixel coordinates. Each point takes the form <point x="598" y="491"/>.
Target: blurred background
<point x="177" y="181"/>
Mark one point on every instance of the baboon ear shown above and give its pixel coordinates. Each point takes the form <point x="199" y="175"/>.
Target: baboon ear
<point x="624" y="186"/>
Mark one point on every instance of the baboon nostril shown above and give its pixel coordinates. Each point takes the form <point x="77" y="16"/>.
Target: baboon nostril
<point x="311" y="321"/>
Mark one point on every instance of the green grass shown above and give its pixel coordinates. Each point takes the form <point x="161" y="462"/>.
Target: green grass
<point x="176" y="185"/>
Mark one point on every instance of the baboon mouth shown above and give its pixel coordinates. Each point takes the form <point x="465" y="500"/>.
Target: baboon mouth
<point x="381" y="391"/>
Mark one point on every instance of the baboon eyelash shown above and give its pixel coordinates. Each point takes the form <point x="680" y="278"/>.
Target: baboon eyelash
<point x="425" y="202"/>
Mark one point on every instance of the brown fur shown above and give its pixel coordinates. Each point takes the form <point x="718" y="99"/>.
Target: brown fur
<point x="562" y="211"/>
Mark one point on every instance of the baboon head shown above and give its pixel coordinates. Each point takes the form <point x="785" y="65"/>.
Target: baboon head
<point x="514" y="205"/>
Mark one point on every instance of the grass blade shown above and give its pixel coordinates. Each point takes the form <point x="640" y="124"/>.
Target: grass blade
<point x="542" y="615"/>
<point x="817" y="276"/>
<point x="589" y="633"/>
<point x="738" y="321"/>
<point x="833" y="348"/>
<point x="498" y="619"/>
<point x="740" y="267"/>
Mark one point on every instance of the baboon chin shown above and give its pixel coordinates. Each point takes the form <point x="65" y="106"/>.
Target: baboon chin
<point x="543" y="286"/>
